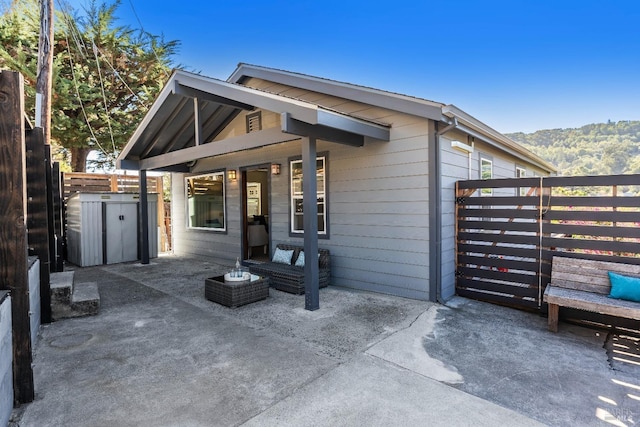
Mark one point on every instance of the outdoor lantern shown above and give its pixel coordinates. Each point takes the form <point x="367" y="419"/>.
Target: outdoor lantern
<point x="275" y="169"/>
<point x="231" y="174"/>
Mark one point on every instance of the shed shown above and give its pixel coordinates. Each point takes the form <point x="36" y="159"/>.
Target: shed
<point x="103" y="228"/>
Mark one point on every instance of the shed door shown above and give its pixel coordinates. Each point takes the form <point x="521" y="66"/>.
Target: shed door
<point x="121" y="232"/>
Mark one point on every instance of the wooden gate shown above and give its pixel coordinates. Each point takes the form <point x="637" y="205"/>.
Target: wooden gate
<point x="508" y="230"/>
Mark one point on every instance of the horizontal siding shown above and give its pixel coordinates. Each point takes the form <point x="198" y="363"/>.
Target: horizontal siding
<point x="454" y="167"/>
<point x="378" y="203"/>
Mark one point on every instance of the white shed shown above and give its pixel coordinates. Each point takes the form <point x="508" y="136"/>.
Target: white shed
<point x="103" y="228"/>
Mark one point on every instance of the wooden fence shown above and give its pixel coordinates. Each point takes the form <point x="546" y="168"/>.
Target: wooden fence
<point x="507" y="237"/>
<point x="79" y="182"/>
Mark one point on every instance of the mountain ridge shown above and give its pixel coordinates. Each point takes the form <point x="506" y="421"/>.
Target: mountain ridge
<point x="610" y="148"/>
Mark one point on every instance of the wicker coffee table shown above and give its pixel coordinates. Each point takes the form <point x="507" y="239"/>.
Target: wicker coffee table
<point x="235" y="294"/>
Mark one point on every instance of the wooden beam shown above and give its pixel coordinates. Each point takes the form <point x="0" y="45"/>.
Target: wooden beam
<point x="243" y="142"/>
<point x="14" y="275"/>
<point x="38" y="215"/>
<point x="297" y="127"/>
<point x="180" y="89"/>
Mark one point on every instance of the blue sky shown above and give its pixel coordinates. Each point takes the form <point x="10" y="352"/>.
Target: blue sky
<point x="515" y="65"/>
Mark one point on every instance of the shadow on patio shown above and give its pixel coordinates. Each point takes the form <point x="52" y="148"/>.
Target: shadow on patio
<point x="159" y="353"/>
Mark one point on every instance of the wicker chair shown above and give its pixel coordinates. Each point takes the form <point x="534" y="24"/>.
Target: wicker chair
<point x="290" y="278"/>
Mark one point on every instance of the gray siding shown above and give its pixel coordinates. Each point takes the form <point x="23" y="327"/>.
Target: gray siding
<point x="378" y="209"/>
<point x="378" y="199"/>
<point x="455" y="167"/>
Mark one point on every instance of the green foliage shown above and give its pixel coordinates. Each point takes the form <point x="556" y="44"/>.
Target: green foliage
<point x="105" y="76"/>
<point x="595" y="149"/>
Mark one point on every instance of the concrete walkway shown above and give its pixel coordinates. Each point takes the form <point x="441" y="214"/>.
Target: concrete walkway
<point x="160" y="354"/>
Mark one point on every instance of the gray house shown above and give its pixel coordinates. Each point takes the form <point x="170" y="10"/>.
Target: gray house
<point x="384" y="164"/>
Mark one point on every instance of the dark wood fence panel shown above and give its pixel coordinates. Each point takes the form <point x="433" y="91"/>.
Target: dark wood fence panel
<point x="505" y="243"/>
<point x="14" y="274"/>
<point x="37" y="218"/>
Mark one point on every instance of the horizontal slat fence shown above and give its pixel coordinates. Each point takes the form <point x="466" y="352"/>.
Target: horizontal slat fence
<point x="505" y="242"/>
<point x="80" y="182"/>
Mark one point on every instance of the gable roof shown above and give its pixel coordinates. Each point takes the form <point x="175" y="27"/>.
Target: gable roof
<point x="191" y="110"/>
<point x="446" y="113"/>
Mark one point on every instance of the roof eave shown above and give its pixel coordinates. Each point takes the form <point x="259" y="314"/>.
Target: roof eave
<point x="371" y="96"/>
<point x="491" y="136"/>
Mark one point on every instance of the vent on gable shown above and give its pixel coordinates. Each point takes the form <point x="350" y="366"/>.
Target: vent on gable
<point x="254" y="122"/>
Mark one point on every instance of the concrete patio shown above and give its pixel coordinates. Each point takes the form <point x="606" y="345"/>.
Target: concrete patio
<point x="160" y="354"/>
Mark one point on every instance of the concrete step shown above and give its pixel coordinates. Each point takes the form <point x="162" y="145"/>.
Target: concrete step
<point x="85" y="300"/>
<point x="61" y="287"/>
<point x="69" y="299"/>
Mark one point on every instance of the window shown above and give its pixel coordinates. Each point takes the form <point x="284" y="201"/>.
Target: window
<point x="521" y="173"/>
<point x="205" y="201"/>
<point x="297" y="225"/>
<point x="486" y="172"/>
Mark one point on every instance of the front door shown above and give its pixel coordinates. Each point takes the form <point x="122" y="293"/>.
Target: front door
<point x="255" y="209"/>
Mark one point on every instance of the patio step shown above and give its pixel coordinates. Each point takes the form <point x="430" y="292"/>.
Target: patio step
<point x="70" y="299"/>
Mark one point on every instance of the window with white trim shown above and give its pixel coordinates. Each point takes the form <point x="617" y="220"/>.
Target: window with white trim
<point x="521" y="173"/>
<point x="486" y="172"/>
<point x="297" y="223"/>
<point x="206" y="202"/>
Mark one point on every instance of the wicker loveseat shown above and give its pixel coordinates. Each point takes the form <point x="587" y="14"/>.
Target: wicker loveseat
<point x="290" y="278"/>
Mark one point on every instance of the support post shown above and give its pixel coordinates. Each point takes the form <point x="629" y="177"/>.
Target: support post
<point x="144" y="219"/>
<point x="435" y="214"/>
<point x="58" y="232"/>
<point x="49" y="207"/>
<point x="310" y="220"/>
<point x="37" y="215"/>
<point x="14" y="275"/>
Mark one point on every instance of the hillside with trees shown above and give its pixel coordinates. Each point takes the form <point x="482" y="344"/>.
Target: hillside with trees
<point x="595" y="149"/>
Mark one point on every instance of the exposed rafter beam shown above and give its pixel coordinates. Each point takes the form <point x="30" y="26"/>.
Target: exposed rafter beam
<point x="353" y="125"/>
<point x="296" y="127"/>
<point x="163" y="128"/>
<point x="230" y="145"/>
<point x="197" y="122"/>
<point x="183" y="90"/>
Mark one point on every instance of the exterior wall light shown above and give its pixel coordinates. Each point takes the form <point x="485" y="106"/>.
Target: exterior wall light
<point x="275" y="169"/>
<point x="231" y="174"/>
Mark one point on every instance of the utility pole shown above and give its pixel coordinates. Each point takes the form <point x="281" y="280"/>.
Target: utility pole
<point x="45" y="64"/>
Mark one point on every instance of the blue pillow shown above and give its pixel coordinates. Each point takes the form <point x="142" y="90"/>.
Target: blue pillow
<point x="300" y="260"/>
<point x="282" y="256"/>
<point x="624" y="287"/>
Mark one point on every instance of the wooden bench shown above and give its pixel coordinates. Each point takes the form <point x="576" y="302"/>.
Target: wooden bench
<point x="585" y="285"/>
<point x="289" y="277"/>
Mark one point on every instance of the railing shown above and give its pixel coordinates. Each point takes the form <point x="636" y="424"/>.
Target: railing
<point x="505" y="241"/>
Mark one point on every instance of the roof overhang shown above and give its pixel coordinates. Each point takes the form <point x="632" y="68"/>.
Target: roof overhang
<point x="191" y="110"/>
<point x="436" y="111"/>
<point x="475" y="128"/>
<point x="367" y="95"/>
